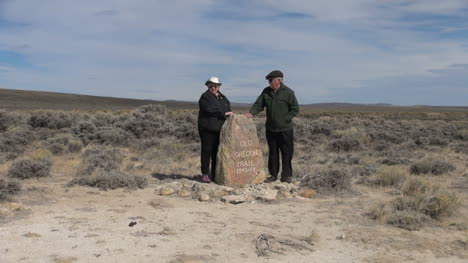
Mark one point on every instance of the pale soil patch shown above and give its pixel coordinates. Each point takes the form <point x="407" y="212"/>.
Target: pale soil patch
<point x="82" y="224"/>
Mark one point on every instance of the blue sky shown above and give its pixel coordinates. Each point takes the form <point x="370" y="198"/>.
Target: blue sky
<point x="404" y="52"/>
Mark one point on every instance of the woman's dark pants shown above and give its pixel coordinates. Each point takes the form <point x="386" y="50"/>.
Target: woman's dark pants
<point x="209" y="150"/>
<point x="280" y="141"/>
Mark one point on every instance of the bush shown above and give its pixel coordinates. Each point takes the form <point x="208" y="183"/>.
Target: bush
<point x="426" y="198"/>
<point x="113" y="136"/>
<point x="408" y="220"/>
<point x="104" y="180"/>
<point x="8" y="188"/>
<point x="13" y="142"/>
<point x="99" y="157"/>
<point x="63" y="143"/>
<point x="328" y="181"/>
<point x="25" y="168"/>
<point x="345" y="144"/>
<point x="390" y="176"/>
<point x="51" y="119"/>
<point x="41" y="154"/>
<point x="435" y="167"/>
<point x="85" y="131"/>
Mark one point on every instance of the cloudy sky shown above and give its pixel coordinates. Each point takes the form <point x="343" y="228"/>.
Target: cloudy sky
<point x="404" y="52"/>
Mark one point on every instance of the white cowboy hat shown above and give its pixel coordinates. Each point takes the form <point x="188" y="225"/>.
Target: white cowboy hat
<point x="214" y="80"/>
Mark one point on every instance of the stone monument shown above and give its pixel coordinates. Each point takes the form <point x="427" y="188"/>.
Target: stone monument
<point x="240" y="158"/>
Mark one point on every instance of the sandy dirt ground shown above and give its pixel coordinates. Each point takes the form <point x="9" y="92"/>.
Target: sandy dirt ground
<point x="52" y="223"/>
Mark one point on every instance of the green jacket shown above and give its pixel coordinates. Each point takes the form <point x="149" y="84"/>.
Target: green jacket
<point x="281" y="108"/>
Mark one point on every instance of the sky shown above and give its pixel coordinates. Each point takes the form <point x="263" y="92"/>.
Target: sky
<point x="402" y="52"/>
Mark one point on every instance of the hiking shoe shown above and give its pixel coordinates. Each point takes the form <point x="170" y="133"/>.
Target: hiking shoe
<point x="271" y="179"/>
<point x="286" y="180"/>
<point x="206" y="179"/>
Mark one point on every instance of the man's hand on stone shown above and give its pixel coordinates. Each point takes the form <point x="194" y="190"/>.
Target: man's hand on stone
<point x="248" y="115"/>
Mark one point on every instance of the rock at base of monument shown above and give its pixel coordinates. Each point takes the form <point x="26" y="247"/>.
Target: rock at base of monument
<point x="240" y="158"/>
<point x="233" y="199"/>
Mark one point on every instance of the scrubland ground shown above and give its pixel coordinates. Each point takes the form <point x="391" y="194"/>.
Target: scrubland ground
<point x="122" y="187"/>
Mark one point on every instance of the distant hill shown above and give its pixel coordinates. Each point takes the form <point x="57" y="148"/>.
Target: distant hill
<point x="32" y="100"/>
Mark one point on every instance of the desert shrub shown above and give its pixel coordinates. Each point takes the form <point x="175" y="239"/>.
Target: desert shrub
<point x="426" y="198"/>
<point x="328" y="180"/>
<point x="421" y="141"/>
<point x="382" y="135"/>
<point x="345" y="144"/>
<point x="408" y="220"/>
<point x="381" y="146"/>
<point x="145" y="144"/>
<point x="102" y="119"/>
<point x="41" y="154"/>
<point x="364" y="170"/>
<point x="435" y="167"/>
<point x="105" y="180"/>
<point x="51" y="119"/>
<point x="461" y="147"/>
<point x="85" y="131"/>
<point x="62" y="143"/>
<point x="390" y="176"/>
<point x="99" y="157"/>
<point x="146" y="121"/>
<point x="347" y="159"/>
<point x="463" y="134"/>
<point x="26" y="168"/>
<point x="8" y="119"/>
<point x="436" y="141"/>
<point x="185" y="127"/>
<point x="113" y="136"/>
<point x="394" y="159"/>
<point x="8" y="188"/>
<point x="13" y="142"/>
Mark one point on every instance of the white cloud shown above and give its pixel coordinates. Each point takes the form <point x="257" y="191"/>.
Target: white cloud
<point x="166" y="49"/>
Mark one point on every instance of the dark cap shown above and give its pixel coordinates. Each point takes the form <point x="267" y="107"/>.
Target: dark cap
<point x="274" y="74"/>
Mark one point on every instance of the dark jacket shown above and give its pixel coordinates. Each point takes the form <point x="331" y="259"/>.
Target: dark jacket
<point x="212" y="110"/>
<point x="281" y="108"/>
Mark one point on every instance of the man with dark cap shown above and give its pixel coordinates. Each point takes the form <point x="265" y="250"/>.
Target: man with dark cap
<point x="281" y="107"/>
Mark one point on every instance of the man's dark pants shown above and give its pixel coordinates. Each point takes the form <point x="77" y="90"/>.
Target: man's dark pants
<point x="209" y="150"/>
<point x="280" y="141"/>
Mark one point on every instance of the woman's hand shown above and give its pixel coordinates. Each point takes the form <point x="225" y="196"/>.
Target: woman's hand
<point x="227" y="114"/>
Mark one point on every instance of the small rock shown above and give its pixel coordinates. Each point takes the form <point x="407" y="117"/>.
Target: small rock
<point x="342" y="236"/>
<point x="307" y="192"/>
<point x="286" y="194"/>
<point x="33" y="235"/>
<point x="132" y="224"/>
<point x="184" y="193"/>
<point x="228" y="189"/>
<point x="204" y="197"/>
<point x="266" y="195"/>
<point x="166" y="190"/>
<point x="233" y="199"/>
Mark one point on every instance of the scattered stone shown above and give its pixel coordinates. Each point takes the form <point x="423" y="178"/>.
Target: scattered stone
<point x="233" y="199"/>
<point x="184" y="193"/>
<point x="240" y="157"/>
<point x="266" y="195"/>
<point x="132" y="224"/>
<point x="204" y="197"/>
<point x="166" y="190"/>
<point x="285" y="194"/>
<point x="32" y="235"/>
<point x="307" y="192"/>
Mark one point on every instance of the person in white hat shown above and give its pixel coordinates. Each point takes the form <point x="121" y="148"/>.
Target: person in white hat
<point x="214" y="107"/>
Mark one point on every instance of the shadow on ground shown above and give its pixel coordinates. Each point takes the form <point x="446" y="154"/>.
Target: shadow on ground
<point x="164" y="177"/>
